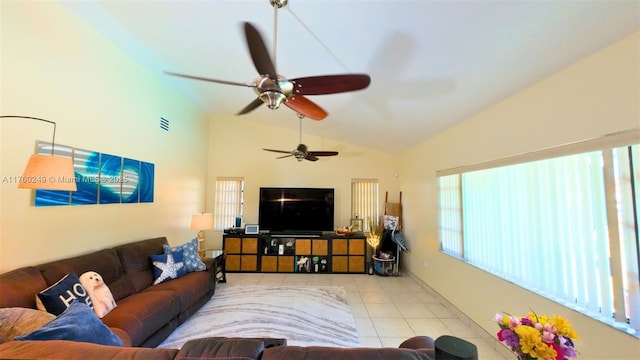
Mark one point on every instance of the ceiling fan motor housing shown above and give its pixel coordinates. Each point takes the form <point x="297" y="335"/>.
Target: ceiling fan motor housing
<point x="273" y="93"/>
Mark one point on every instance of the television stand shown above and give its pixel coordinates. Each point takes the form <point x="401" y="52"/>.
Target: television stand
<point x="295" y="233"/>
<point x="299" y="252"/>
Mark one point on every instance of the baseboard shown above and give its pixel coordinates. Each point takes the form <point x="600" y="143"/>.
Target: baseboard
<point x="487" y="337"/>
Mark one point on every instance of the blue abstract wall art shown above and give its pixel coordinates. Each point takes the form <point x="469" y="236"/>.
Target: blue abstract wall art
<point x="100" y="179"/>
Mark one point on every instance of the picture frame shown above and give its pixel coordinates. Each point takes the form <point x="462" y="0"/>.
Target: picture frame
<point x="356" y="225"/>
<point x="251" y="229"/>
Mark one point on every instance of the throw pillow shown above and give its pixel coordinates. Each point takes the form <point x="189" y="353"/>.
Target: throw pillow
<point x="192" y="260"/>
<point x="77" y="323"/>
<point x="167" y="267"/>
<point x="57" y="297"/>
<point x="99" y="293"/>
<point x="17" y="321"/>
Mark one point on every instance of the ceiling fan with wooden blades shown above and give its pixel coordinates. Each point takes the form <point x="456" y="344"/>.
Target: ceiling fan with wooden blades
<point x="274" y="89"/>
<point x="302" y="152"/>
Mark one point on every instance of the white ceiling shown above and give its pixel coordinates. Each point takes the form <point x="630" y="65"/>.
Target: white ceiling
<point x="432" y="63"/>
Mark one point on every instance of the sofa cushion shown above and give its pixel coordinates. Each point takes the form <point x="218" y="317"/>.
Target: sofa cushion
<point x="191" y="257"/>
<point x="77" y="323"/>
<point x="141" y="315"/>
<point x="190" y="288"/>
<point x="136" y="262"/>
<point x="222" y="348"/>
<point x="17" y="321"/>
<point x="57" y="297"/>
<point x="71" y="350"/>
<point x="332" y="353"/>
<point x="18" y="287"/>
<point x="167" y="267"/>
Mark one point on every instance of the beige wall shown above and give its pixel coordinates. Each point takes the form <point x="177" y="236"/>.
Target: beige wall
<point x="55" y="67"/>
<point x="597" y="96"/>
<point x="235" y="149"/>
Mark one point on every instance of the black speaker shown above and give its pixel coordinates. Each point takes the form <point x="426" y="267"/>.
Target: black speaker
<point x="453" y="348"/>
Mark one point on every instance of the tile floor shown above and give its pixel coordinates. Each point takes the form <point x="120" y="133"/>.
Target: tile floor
<point x="387" y="310"/>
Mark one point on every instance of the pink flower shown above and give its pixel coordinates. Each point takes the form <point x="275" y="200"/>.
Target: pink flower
<point x="548" y="337"/>
<point x="514" y="321"/>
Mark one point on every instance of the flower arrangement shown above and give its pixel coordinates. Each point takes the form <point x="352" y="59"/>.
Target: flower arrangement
<point x="537" y="336"/>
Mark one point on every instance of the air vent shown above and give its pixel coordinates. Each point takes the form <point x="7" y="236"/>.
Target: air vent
<point x="164" y="124"/>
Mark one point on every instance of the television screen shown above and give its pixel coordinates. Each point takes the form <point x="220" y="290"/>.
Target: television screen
<point x="296" y="209"/>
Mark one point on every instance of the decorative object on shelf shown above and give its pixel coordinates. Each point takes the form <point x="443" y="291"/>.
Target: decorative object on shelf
<point x="356" y="224"/>
<point x="535" y="336"/>
<point x="201" y="222"/>
<point x="344" y="231"/>
<point x="47" y="172"/>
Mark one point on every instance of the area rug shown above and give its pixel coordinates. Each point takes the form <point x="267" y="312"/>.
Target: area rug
<point x="304" y="315"/>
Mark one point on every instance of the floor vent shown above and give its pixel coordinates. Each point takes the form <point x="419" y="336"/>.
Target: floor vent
<point x="164" y="124"/>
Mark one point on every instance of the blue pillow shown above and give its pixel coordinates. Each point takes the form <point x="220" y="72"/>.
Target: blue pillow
<point x="57" y="297"/>
<point x="77" y="323"/>
<point x="167" y="266"/>
<point x="192" y="260"/>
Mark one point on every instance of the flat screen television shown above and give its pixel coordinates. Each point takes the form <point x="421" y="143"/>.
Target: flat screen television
<point x="296" y="209"/>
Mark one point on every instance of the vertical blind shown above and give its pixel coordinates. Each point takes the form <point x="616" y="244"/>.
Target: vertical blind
<point x="364" y="201"/>
<point x="229" y="201"/>
<point x="565" y="228"/>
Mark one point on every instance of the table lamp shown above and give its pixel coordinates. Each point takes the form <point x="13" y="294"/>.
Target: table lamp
<point x="201" y="222"/>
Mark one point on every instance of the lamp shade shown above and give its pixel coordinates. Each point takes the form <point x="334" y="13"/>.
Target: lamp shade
<point x="202" y="221"/>
<point x="48" y="172"/>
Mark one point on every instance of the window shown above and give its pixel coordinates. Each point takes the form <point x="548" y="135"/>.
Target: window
<point x="229" y="202"/>
<point x="364" y="201"/>
<point x="565" y="226"/>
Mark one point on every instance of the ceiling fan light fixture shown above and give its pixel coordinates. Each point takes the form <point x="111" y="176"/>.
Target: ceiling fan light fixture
<point x="273" y="99"/>
<point x="278" y="3"/>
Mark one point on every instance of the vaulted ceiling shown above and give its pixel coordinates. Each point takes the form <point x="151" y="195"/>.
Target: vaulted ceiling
<point x="432" y="63"/>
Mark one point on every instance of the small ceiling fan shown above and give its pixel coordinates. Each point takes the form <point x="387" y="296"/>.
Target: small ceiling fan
<point x="274" y="89"/>
<point x="302" y="152"/>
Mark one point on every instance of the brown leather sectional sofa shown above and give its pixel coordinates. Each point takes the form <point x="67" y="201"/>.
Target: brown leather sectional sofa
<point x="416" y="348"/>
<point x="145" y="315"/>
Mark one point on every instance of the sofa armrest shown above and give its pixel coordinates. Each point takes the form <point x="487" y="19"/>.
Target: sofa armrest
<point x="424" y="343"/>
<point x="210" y="263"/>
<point x="226" y="348"/>
<point x="72" y="350"/>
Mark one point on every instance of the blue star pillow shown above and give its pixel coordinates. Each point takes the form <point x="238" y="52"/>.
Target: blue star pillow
<point x="189" y="249"/>
<point x="167" y="266"/>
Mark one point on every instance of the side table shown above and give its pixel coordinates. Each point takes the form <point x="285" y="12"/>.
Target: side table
<point x="220" y="257"/>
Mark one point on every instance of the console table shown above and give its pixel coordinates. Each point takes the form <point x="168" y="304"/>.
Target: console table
<point x="326" y="253"/>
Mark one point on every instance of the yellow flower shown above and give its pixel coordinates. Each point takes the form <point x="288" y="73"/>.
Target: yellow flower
<point x="544" y="351"/>
<point x="563" y="326"/>
<point x="531" y="343"/>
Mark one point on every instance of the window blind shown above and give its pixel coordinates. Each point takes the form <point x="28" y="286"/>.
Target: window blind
<point x="564" y="226"/>
<point x="228" y="201"/>
<point x="365" y="201"/>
